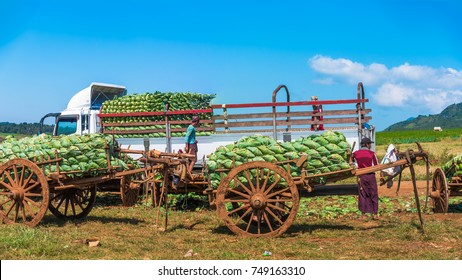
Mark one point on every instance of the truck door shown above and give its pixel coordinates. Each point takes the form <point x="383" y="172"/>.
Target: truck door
<point x="85" y="123"/>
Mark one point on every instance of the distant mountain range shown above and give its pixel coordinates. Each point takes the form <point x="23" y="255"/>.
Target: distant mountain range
<point x="451" y="117"/>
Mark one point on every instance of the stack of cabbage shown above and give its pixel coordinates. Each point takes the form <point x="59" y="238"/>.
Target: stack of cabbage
<point x="457" y="170"/>
<point x="154" y="102"/>
<point x="85" y="154"/>
<point x="325" y="153"/>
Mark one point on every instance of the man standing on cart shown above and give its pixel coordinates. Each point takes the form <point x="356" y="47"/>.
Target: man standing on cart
<point x="317" y="109"/>
<point x="191" y="142"/>
<point x="367" y="188"/>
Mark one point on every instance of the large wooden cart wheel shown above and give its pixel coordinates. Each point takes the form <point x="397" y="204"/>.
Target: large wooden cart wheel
<point x="24" y="193"/>
<point x="73" y="204"/>
<point x="440" y="192"/>
<point x="129" y="190"/>
<point x="257" y="199"/>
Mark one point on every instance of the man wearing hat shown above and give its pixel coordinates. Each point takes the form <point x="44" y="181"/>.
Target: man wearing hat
<point x="367" y="188"/>
<point x="191" y="142"/>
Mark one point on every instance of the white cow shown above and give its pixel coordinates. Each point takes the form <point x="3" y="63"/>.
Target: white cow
<point x="437" y="128"/>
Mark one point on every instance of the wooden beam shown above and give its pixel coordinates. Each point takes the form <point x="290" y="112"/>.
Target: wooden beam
<point x="291" y="114"/>
<point x="291" y="122"/>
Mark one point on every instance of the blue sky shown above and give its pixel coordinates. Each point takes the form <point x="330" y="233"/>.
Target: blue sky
<point x="407" y="53"/>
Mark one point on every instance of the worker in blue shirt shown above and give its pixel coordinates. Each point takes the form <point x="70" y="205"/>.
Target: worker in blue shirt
<point x="191" y="142"/>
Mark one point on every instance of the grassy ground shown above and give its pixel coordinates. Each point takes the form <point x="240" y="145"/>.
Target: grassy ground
<point x="326" y="228"/>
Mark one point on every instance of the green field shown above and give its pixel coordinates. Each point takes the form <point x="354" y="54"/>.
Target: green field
<point x="411" y="136"/>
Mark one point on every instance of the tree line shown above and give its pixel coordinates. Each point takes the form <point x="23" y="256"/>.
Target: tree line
<point x="23" y="128"/>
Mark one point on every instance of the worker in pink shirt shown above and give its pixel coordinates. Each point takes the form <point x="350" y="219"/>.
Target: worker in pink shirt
<point x="367" y="188"/>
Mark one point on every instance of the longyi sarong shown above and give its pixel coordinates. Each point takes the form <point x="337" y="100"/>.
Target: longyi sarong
<point x="368" y="198"/>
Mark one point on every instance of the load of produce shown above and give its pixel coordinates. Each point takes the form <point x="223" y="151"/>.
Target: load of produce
<point x="325" y="153"/>
<point x="453" y="167"/>
<point x="154" y="102"/>
<point x="87" y="154"/>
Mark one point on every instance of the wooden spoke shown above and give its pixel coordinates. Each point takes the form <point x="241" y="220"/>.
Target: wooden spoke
<point x="28" y="180"/>
<point x="79" y="203"/>
<point x="278" y="192"/>
<point x="23" y="213"/>
<point x="242" y="185"/>
<point x="72" y="202"/>
<point x="28" y="208"/>
<point x="237" y="210"/>
<point x="60" y="202"/>
<point x="239" y="193"/>
<point x="257" y="179"/>
<point x="274" y="215"/>
<point x="33" y="194"/>
<point x="11" y="180"/>
<point x="241" y="218"/>
<point x="6" y="201"/>
<point x="11" y="208"/>
<point x="66" y="206"/>
<point x="279" y="200"/>
<point x="250" y="222"/>
<point x="265" y="216"/>
<point x="236" y="200"/>
<point x="6" y="185"/>
<point x="247" y="176"/>
<point x="21" y="178"/>
<point x="32" y="186"/>
<point x="278" y="208"/>
<point x="16" y="212"/>
<point x="263" y="187"/>
<point x="36" y="204"/>
<point x="16" y="177"/>
<point x="273" y="185"/>
<point x="258" y="222"/>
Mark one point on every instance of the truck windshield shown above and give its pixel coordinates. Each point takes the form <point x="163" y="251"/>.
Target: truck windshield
<point x="66" y="126"/>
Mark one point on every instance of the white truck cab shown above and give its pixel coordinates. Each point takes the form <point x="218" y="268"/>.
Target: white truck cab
<point x="81" y="115"/>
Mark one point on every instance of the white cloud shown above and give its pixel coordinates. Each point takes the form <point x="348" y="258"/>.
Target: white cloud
<point x="393" y="95"/>
<point x="419" y="86"/>
<point x="411" y="72"/>
<point x="347" y="69"/>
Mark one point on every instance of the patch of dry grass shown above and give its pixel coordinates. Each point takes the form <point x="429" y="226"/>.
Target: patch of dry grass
<point x="131" y="233"/>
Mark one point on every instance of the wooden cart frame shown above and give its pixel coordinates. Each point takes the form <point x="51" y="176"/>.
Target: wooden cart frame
<point x="261" y="199"/>
<point x="26" y="192"/>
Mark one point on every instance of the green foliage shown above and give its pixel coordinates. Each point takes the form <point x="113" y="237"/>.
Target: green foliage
<point x="23" y="128"/>
<point x="335" y="206"/>
<point x="154" y="102"/>
<point x="86" y="154"/>
<point x="329" y="156"/>
<point x="411" y="136"/>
